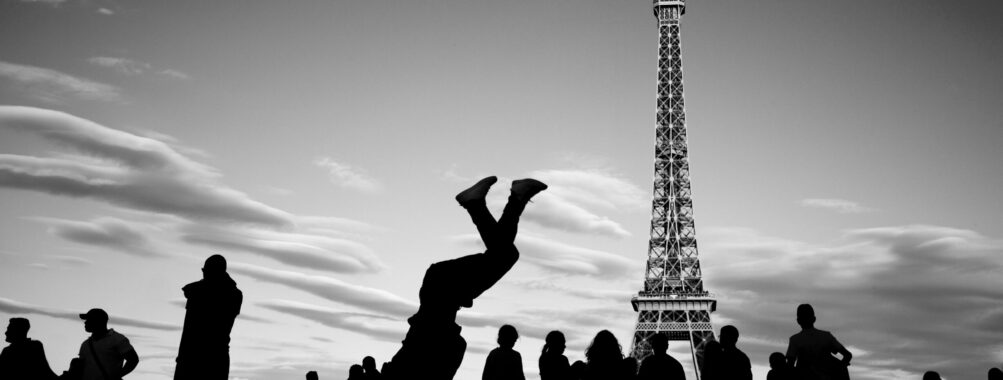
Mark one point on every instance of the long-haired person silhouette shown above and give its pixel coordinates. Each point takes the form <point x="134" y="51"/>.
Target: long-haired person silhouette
<point x="553" y="364"/>
<point x="433" y="348"/>
<point x="605" y="357"/>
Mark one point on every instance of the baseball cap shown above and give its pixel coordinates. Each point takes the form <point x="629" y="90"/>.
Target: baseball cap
<point x="95" y="314"/>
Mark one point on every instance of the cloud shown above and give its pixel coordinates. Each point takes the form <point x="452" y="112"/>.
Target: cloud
<point x="374" y="326"/>
<point x="15" y="307"/>
<point x="124" y="169"/>
<point x="908" y="298"/>
<point x="372" y="299"/>
<point x="73" y="260"/>
<point x="47" y="2"/>
<point x="132" y="67"/>
<point x="53" y="86"/>
<point x="122" y="65"/>
<point x="104" y="232"/>
<point x="563" y="258"/>
<point x="106" y="11"/>
<point x="297" y="249"/>
<point x="573" y="196"/>
<point x="346" y="176"/>
<point x="841" y="206"/>
<point x="585" y="293"/>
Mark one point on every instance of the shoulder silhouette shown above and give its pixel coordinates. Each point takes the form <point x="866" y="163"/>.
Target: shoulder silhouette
<point x="213" y="304"/>
<point x="504" y="362"/>
<point x="660" y="365"/>
<point x="106" y="354"/>
<point x="553" y="364"/>
<point x="811" y="351"/>
<point x="23" y="358"/>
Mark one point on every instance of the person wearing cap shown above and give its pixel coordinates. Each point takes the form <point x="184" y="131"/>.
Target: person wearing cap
<point x="106" y="354"/>
<point x="811" y="351"/>
<point x="24" y="358"/>
<point x="213" y="304"/>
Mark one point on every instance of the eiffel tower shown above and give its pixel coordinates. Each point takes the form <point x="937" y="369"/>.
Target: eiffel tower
<point x="673" y="301"/>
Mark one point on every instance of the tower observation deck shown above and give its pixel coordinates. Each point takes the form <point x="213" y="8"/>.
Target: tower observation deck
<point x="673" y="301"/>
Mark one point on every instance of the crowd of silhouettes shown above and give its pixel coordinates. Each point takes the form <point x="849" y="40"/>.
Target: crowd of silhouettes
<point x="433" y="348"/>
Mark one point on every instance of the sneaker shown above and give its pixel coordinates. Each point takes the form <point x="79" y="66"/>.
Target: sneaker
<point x="526" y="188"/>
<point x="476" y="192"/>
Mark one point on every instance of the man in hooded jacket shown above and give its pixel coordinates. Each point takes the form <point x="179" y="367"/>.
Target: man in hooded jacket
<point x="213" y="304"/>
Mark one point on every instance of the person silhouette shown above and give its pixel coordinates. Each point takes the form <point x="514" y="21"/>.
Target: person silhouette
<point x="931" y="375"/>
<point x="355" y="372"/>
<point x="995" y="374"/>
<point x="369" y="367"/>
<point x="779" y="370"/>
<point x="504" y="363"/>
<point x="578" y="370"/>
<point x="106" y="354"/>
<point x="735" y="365"/>
<point x="213" y="304"/>
<point x="433" y="348"/>
<point x="811" y="351"/>
<point x="604" y="358"/>
<point x="711" y="369"/>
<point x="630" y="367"/>
<point x="312" y="375"/>
<point x="24" y="358"/>
<point x="660" y="365"/>
<point x="553" y="364"/>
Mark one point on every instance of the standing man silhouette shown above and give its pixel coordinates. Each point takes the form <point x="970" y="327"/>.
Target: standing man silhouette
<point x="660" y="365"/>
<point x="213" y="304"/>
<point x="24" y="358"/>
<point x="810" y="351"/>
<point x="433" y="348"/>
<point x="104" y="352"/>
<point x="734" y="364"/>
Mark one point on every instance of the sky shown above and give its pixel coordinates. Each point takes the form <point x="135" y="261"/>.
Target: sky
<point x="843" y="154"/>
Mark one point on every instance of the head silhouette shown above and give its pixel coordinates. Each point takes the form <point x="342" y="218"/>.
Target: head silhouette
<point x="369" y="364"/>
<point x="931" y="375"/>
<point x="554" y="343"/>
<point x="17" y="330"/>
<point x="659" y="343"/>
<point x="995" y="374"/>
<point x="729" y="336"/>
<point x="604" y="348"/>
<point x="95" y="321"/>
<point x="356" y="372"/>
<point x="214" y="267"/>
<point x="507" y="335"/>
<point x="312" y="375"/>
<point x="777" y="360"/>
<point x="806" y="316"/>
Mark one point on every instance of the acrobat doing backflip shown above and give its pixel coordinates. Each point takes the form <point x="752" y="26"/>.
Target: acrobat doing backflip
<point x="433" y="348"/>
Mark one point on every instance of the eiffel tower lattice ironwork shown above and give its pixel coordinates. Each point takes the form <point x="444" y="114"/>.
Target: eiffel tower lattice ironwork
<point x="673" y="301"/>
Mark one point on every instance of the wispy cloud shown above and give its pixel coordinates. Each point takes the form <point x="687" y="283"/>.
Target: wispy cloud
<point x="332" y="289"/>
<point x="575" y="198"/>
<point x="139" y="173"/>
<point x="132" y="67"/>
<point x="106" y="11"/>
<point x="374" y="326"/>
<point x="347" y="176"/>
<point x="841" y="206"/>
<point x="15" y="307"/>
<point x="884" y="290"/>
<point x="297" y="249"/>
<point x="563" y="258"/>
<point x="585" y="293"/>
<point x="53" y="86"/>
<point x="104" y="232"/>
